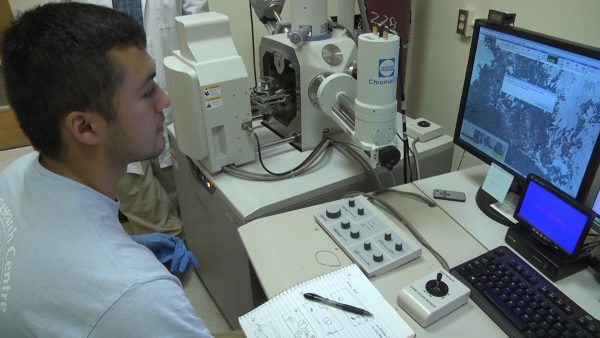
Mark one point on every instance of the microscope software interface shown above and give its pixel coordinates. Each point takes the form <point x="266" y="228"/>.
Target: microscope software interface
<point x="531" y="105"/>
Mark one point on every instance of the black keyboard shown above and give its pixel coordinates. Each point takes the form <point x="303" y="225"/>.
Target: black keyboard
<point x="520" y="300"/>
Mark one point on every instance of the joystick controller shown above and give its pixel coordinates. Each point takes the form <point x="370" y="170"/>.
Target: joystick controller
<point x="432" y="297"/>
<point x="436" y="287"/>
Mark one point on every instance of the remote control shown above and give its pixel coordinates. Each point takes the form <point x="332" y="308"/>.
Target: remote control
<point x="449" y="195"/>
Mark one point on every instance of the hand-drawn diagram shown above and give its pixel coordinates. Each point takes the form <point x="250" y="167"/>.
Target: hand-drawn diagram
<point x="290" y="314"/>
<point x="265" y="331"/>
<point x="298" y="325"/>
<point x="313" y="319"/>
<point x="346" y="297"/>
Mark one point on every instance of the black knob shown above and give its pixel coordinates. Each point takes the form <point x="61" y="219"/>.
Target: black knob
<point x="367" y="245"/>
<point x="378" y="256"/>
<point x="399" y="246"/>
<point x="333" y="211"/>
<point x="351" y="203"/>
<point x="361" y="211"/>
<point x="388" y="236"/>
<point x="354" y="233"/>
<point x="345" y="223"/>
<point x="389" y="156"/>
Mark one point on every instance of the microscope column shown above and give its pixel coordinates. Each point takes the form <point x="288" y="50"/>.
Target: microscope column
<point x="376" y="88"/>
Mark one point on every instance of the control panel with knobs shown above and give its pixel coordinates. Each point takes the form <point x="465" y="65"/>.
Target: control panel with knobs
<point x="367" y="236"/>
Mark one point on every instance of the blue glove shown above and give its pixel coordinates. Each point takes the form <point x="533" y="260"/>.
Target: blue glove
<point x="168" y="248"/>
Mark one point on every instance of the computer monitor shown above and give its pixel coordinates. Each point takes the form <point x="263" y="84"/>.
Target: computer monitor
<point x="531" y="104"/>
<point x="554" y="218"/>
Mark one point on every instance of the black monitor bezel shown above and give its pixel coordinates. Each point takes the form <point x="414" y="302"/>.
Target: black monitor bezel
<point x="589" y="51"/>
<point x="536" y="233"/>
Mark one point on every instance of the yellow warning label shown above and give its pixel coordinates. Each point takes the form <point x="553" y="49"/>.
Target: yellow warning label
<point x="212" y="90"/>
<point x="214" y="102"/>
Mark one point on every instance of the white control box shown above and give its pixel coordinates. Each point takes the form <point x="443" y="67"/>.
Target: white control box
<point x="423" y="129"/>
<point x="433" y="297"/>
<point x="367" y="236"/>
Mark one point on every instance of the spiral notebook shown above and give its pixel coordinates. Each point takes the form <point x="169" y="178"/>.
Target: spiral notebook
<point x="289" y="314"/>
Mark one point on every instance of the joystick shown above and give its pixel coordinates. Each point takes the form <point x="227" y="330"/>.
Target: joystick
<point x="431" y="298"/>
<point x="436" y="287"/>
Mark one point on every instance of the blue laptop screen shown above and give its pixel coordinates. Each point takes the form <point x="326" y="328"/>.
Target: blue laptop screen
<point x="552" y="216"/>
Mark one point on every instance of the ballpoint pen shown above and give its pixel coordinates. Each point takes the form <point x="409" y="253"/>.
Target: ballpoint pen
<point x="345" y="307"/>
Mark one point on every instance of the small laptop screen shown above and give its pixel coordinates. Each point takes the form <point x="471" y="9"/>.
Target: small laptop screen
<point x="554" y="217"/>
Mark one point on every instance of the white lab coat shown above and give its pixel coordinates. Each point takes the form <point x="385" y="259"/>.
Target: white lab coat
<point x="161" y="34"/>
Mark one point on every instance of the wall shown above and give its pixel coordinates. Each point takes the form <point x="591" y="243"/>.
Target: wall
<point x="438" y="58"/>
<point x="21" y="5"/>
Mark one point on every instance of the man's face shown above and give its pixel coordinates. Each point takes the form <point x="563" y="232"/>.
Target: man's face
<point x="137" y="131"/>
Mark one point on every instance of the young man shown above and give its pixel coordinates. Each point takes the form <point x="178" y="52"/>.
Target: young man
<point x="81" y="84"/>
<point x="147" y="191"/>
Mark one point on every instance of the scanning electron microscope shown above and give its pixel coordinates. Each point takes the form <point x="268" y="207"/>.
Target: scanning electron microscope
<point x="318" y="81"/>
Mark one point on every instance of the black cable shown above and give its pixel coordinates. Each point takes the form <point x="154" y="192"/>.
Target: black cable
<point x="291" y="171"/>
<point x="405" y="157"/>
<point x="253" y="45"/>
<point x="461" y="159"/>
<point x="410" y="171"/>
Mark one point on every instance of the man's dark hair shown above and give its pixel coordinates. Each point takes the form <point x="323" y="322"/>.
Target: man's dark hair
<point x="56" y="60"/>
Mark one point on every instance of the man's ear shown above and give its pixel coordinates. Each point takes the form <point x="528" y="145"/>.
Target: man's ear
<point x="83" y="127"/>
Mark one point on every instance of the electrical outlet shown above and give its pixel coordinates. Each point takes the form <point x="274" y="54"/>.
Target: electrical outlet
<point x="463" y="24"/>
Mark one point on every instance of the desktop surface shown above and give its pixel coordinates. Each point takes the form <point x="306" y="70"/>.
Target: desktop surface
<point x="582" y="287"/>
<point x="299" y="249"/>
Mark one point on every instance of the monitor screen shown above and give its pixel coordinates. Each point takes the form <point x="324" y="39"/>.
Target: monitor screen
<point x="553" y="216"/>
<point x="531" y="104"/>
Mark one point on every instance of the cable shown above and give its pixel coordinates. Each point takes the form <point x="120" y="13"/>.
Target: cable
<point x="412" y="230"/>
<point x="410" y="171"/>
<point x="359" y="157"/>
<point x="362" y="7"/>
<point x="461" y="159"/>
<point x="334" y="24"/>
<point x="291" y="171"/>
<point x="253" y="45"/>
<point x="406" y="147"/>
<point x="272" y="176"/>
<point x="406" y="159"/>
<point x="391" y="172"/>
<point x="416" y="157"/>
<point x="418" y="196"/>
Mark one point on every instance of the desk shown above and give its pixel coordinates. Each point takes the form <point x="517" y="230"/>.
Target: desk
<point x="211" y="219"/>
<point x="288" y="248"/>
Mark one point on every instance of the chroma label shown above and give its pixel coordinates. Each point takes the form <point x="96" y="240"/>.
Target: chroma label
<point x="387" y="67"/>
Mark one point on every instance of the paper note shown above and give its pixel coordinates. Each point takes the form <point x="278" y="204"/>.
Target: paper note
<point x="289" y="314"/>
<point x="497" y="182"/>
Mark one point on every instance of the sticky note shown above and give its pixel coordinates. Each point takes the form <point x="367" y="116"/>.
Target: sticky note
<point x="497" y="182"/>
